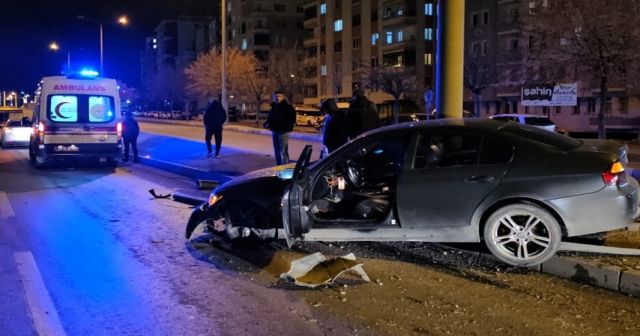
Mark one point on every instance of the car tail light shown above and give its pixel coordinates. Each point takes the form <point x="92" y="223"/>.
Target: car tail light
<point x="615" y="175"/>
<point x="41" y="132"/>
<point x="8" y="130"/>
<point x="119" y="129"/>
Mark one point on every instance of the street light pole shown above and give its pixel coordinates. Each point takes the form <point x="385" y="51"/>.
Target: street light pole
<point x="101" y="53"/>
<point x="450" y="59"/>
<point x="223" y="33"/>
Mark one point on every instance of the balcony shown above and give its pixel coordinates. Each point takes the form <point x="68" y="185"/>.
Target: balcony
<point x="311" y="23"/>
<point x="399" y="18"/>
<point x="262" y="28"/>
<point x="399" y="46"/>
<point x="310" y="41"/>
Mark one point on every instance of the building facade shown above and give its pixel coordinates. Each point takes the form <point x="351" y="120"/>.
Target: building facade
<point x="176" y="41"/>
<point x="148" y="63"/>
<point x="494" y="30"/>
<point x="352" y="33"/>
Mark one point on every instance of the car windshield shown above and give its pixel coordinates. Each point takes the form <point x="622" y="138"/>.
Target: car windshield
<point x="536" y="134"/>
<point x="538" y="121"/>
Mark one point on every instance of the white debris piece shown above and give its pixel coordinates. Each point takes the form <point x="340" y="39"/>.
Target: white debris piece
<point x="315" y="270"/>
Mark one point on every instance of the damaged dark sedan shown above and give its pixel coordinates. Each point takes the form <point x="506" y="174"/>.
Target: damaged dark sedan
<point x="517" y="188"/>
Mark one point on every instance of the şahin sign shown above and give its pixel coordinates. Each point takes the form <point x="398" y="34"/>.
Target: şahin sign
<point x="547" y="94"/>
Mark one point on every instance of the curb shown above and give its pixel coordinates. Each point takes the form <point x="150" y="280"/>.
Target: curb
<point x="178" y="169"/>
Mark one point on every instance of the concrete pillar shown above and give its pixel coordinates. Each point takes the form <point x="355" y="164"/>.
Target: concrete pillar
<point x="450" y="58"/>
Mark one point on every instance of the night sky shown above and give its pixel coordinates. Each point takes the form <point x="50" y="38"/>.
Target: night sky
<point x="27" y="28"/>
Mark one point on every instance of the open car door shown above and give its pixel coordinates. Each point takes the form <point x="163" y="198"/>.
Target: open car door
<point x="294" y="217"/>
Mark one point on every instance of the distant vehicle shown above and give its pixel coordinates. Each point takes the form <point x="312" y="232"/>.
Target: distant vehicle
<point x="527" y="119"/>
<point x="234" y="113"/>
<point x="466" y="180"/>
<point x="76" y="116"/>
<point x="15" y="133"/>
<point x="434" y="115"/>
<point x="307" y="116"/>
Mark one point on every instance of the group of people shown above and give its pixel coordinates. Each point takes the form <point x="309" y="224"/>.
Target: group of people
<point x="339" y="126"/>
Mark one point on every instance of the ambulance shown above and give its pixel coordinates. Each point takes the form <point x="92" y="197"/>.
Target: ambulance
<point x="76" y="117"/>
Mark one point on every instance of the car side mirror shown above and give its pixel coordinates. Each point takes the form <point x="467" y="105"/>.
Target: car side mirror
<point x="285" y="174"/>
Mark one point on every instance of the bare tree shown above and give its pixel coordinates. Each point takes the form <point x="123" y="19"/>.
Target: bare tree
<point x="127" y="93"/>
<point x="204" y="76"/>
<point x="598" y="38"/>
<point x="168" y="85"/>
<point x="397" y="81"/>
<point x="339" y="73"/>
<point x="289" y="70"/>
<point x="259" y="87"/>
<point x="479" y="73"/>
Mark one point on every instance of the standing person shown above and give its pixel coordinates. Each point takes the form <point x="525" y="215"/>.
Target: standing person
<point x="130" y="132"/>
<point x="214" y="117"/>
<point x="362" y="115"/>
<point x="334" y="134"/>
<point x="280" y="122"/>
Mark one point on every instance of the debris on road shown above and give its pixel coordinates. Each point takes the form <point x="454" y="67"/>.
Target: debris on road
<point x="207" y="184"/>
<point x="153" y="193"/>
<point x="315" y="270"/>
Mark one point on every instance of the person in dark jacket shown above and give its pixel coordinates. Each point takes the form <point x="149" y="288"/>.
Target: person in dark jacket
<point x="214" y="117"/>
<point x="280" y="122"/>
<point x="362" y="115"/>
<point x="130" y="132"/>
<point x="334" y="134"/>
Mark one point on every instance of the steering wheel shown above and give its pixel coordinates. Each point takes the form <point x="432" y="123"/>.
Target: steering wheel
<point x="354" y="174"/>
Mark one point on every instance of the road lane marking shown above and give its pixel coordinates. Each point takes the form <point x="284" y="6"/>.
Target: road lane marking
<point x="6" y="210"/>
<point x="44" y="314"/>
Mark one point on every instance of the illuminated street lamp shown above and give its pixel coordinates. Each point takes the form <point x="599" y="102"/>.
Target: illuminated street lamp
<point x="122" y="20"/>
<point x="53" y="46"/>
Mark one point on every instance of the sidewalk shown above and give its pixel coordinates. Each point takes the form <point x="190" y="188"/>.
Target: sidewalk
<point x="235" y="127"/>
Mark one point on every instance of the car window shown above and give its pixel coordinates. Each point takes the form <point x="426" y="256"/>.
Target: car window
<point x="495" y="151"/>
<point x="14" y="124"/>
<point x="446" y="150"/>
<point x="380" y="157"/>
<point x="533" y="133"/>
<point x="501" y="118"/>
<point x="538" y="121"/>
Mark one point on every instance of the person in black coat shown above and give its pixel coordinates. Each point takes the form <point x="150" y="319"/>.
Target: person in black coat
<point x="334" y="134"/>
<point x="214" y="117"/>
<point x="130" y="132"/>
<point x="280" y="122"/>
<point x="362" y="115"/>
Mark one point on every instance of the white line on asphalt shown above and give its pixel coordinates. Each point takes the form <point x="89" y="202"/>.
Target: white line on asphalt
<point x="6" y="210"/>
<point x="44" y="314"/>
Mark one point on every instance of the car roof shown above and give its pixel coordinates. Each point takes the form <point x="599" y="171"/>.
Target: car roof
<point x="467" y="123"/>
<point x="519" y="115"/>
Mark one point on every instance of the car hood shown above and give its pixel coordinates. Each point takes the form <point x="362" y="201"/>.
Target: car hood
<point x="255" y="175"/>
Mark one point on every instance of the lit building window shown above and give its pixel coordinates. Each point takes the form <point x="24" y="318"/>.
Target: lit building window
<point x="374" y="38"/>
<point x="428" y="9"/>
<point x="323" y="70"/>
<point x="428" y="34"/>
<point x="389" y="37"/>
<point x="337" y="25"/>
<point x="323" y="8"/>
<point x="427" y="59"/>
<point x="244" y="44"/>
<point x="400" y="36"/>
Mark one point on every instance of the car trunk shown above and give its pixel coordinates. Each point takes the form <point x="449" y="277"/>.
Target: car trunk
<point x="614" y="148"/>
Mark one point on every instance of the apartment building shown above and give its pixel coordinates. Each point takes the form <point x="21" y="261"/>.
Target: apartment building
<point x="176" y="41"/>
<point x="494" y="30"/>
<point x="352" y="33"/>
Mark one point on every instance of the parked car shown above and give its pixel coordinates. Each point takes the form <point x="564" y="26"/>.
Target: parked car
<point x="458" y="180"/>
<point x="307" y="116"/>
<point x="16" y="133"/>
<point x="527" y="119"/>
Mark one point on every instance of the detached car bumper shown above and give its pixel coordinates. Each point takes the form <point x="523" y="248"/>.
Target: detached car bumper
<point x="200" y="214"/>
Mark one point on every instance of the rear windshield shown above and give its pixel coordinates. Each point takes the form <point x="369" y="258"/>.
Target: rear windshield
<point x="540" y="135"/>
<point x="14" y="123"/>
<point x="81" y="109"/>
<point x="538" y="121"/>
<point x="310" y="113"/>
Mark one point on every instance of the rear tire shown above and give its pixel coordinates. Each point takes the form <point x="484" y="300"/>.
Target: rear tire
<point x="522" y="234"/>
<point x="32" y="155"/>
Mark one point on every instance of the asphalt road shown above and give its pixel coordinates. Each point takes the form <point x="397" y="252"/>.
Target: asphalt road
<point x="86" y="251"/>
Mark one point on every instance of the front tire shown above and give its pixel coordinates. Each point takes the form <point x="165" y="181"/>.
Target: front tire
<point x="522" y="234"/>
<point x="249" y="225"/>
